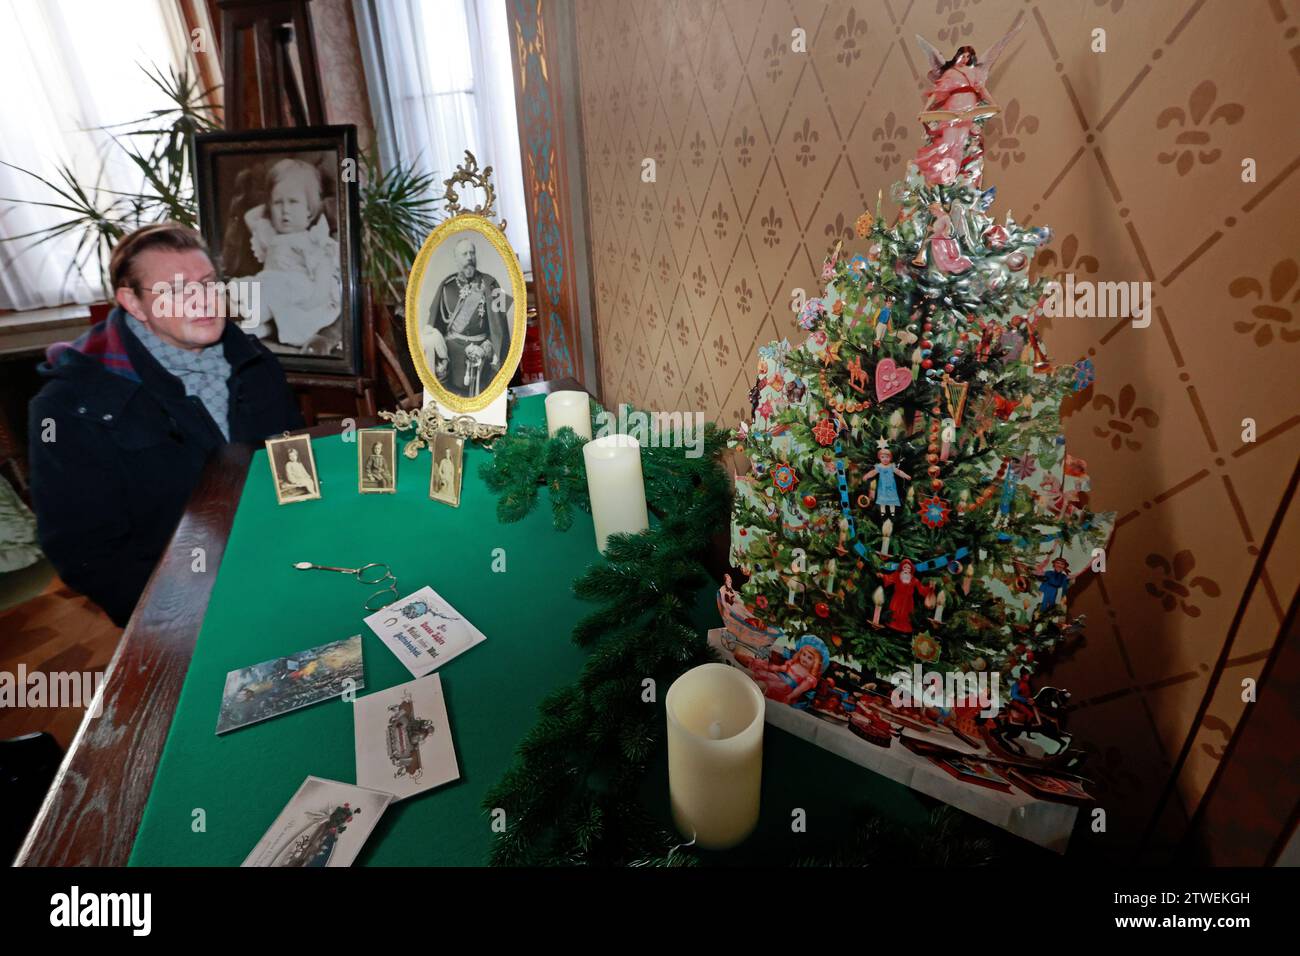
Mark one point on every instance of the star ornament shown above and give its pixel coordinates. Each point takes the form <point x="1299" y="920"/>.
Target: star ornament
<point x="824" y="431"/>
<point x="784" y="478"/>
<point x="934" y="512"/>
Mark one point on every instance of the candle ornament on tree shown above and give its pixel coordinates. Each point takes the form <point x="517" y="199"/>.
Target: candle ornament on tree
<point x="926" y="442"/>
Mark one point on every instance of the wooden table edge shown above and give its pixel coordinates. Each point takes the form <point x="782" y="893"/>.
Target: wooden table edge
<point x="92" y="813"/>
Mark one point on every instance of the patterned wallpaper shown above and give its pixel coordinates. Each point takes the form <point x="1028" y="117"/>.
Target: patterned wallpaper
<point x="1135" y="157"/>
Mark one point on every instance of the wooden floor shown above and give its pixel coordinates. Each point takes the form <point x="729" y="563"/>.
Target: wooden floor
<point x="56" y="630"/>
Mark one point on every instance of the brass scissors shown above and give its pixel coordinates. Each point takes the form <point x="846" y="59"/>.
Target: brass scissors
<point x="374" y="573"/>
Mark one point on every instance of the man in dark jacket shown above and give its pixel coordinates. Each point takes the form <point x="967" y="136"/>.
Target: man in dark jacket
<point x="132" y="411"/>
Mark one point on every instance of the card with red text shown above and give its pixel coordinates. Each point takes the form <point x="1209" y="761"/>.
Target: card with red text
<point x="424" y="631"/>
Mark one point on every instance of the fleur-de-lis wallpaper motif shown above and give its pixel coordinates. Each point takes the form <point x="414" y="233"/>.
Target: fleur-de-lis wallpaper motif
<point x="640" y="357"/>
<point x="743" y="296"/>
<point x="839" y="229"/>
<point x="1069" y="259"/>
<point x="719" y="76"/>
<point x="619" y="342"/>
<point x="772" y="57"/>
<point x="745" y="146"/>
<point x="1172" y="586"/>
<point x="848" y="33"/>
<point x="959" y="27"/>
<point x="647" y="210"/>
<point x="1283" y="294"/>
<point x="1125" y="415"/>
<point x="669" y="376"/>
<point x="888" y="135"/>
<point x="701" y="281"/>
<point x="772" y="225"/>
<point x="676" y="84"/>
<point x="805" y="138"/>
<point x="635" y="259"/>
<point x="697" y="149"/>
<point x="679" y="213"/>
<point x="721" y="349"/>
<point x="1003" y="134"/>
<point x="1192" y="144"/>
<point x="701" y="395"/>
<point x="620" y="208"/>
<point x="652" y="316"/>
<point x="683" y="330"/>
<point x="1223" y="729"/>
<point x="720" y="218"/>
<point x="664" y="269"/>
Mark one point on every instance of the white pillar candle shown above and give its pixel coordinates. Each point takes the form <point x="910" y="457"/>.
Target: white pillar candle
<point x="569" y="408"/>
<point x="715" y="754"/>
<point x="615" y="486"/>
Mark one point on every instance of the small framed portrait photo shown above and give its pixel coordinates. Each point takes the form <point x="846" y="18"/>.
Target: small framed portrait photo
<point x="280" y="211"/>
<point x="293" y="468"/>
<point x="448" y="464"/>
<point x="377" y="461"/>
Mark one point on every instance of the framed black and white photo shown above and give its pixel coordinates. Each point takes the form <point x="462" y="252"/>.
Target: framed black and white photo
<point x="377" y="461"/>
<point x="466" y="313"/>
<point x="448" y="465"/>
<point x="293" y="469"/>
<point x="280" y="213"/>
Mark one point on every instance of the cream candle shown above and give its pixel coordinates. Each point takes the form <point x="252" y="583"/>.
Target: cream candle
<point x="715" y="754"/>
<point x="568" y="408"/>
<point x="615" y="486"/>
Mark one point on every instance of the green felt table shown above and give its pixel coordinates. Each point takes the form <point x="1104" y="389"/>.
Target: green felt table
<point x="262" y="608"/>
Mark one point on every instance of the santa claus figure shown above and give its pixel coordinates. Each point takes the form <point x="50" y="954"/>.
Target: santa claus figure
<point x="906" y="587"/>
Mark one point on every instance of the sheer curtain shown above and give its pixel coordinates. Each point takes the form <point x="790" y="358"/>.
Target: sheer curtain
<point x="67" y="66"/>
<point x="440" y="81"/>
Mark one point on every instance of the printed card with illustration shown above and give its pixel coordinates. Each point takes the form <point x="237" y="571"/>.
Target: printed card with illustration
<point x="262" y="691"/>
<point x="326" y="823"/>
<point x="424" y="631"/>
<point x="403" y="738"/>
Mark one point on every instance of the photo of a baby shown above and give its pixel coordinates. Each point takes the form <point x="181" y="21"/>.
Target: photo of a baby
<point x="291" y="239"/>
<point x="273" y="209"/>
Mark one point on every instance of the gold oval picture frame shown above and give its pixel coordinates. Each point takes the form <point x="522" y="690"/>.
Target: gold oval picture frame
<point x="464" y="328"/>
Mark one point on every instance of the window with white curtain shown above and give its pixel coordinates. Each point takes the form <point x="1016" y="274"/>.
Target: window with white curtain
<point x="68" y="67"/>
<point x="441" y="82"/>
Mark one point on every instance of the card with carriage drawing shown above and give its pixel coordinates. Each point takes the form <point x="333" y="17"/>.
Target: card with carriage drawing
<point x="326" y="823"/>
<point x="424" y="631"/>
<point x="403" y="739"/>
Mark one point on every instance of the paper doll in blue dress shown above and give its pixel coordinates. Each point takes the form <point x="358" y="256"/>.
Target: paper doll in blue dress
<point x="884" y="473"/>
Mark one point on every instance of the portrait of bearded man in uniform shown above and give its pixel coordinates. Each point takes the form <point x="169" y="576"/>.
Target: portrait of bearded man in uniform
<point x="466" y="337"/>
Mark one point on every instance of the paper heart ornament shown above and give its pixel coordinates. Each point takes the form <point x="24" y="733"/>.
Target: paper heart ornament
<point x="890" y="379"/>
